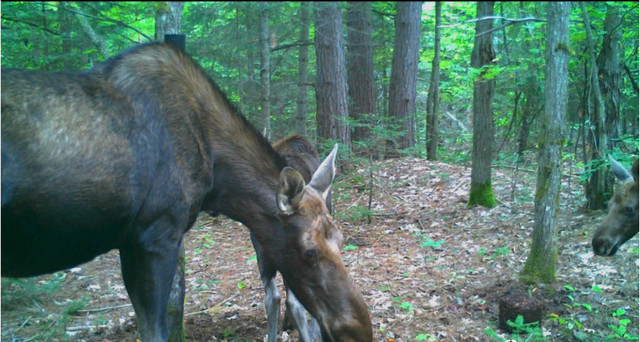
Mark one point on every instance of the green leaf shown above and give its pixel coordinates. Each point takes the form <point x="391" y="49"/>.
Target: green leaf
<point x="430" y="243"/>
<point x="619" y="312"/>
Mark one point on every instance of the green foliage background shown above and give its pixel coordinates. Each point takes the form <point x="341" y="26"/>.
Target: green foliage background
<point x="223" y="37"/>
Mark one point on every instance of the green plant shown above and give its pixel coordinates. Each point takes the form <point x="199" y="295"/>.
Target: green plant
<point x="227" y="333"/>
<point x="620" y="329"/>
<point x="500" y="251"/>
<point x="430" y="243"/>
<point x="406" y="307"/>
<point x="426" y="337"/>
<point x="207" y="241"/>
<point x="531" y="331"/>
<point x="573" y="301"/>
<point x="572" y="325"/>
<point x="74" y="307"/>
<point x="32" y="288"/>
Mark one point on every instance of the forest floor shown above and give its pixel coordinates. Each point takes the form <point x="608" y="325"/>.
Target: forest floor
<point x="429" y="267"/>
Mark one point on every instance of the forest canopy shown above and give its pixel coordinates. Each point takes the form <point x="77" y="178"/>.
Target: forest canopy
<point x="225" y="38"/>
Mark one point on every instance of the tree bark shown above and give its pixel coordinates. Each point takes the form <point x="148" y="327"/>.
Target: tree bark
<point x="541" y="263"/>
<point x="404" y="71"/>
<point x="250" y="87"/>
<point x="265" y="79"/>
<point x="65" y="33"/>
<point x="433" y="98"/>
<point x="303" y="70"/>
<point x="95" y="38"/>
<point x="482" y="56"/>
<point x="596" y="189"/>
<point x="168" y="18"/>
<point x="331" y="82"/>
<point x="362" y="100"/>
<point x="610" y="73"/>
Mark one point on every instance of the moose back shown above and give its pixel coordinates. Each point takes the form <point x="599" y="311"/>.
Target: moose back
<point x="125" y="156"/>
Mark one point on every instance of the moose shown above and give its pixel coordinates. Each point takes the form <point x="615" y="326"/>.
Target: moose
<point x="125" y="155"/>
<point x="621" y="223"/>
<point x="299" y="154"/>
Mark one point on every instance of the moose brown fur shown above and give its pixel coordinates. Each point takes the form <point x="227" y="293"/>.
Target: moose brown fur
<point x="125" y="156"/>
<point x="621" y="223"/>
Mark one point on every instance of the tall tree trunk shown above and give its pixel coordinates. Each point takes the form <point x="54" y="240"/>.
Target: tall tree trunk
<point x="331" y="82"/>
<point x="596" y="190"/>
<point x="483" y="56"/>
<point x="610" y="72"/>
<point x="303" y="70"/>
<point x="362" y="100"/>
<point x="541" y="263"/>
<point x="95" y="38"/>
<point x="532" y="94"/>
<point x="168" y="18"/>
<point x="531" y="106"/>
<point x="404" y="71"/>
<point x="250" y="87"/>
<point x="433" y="98"/>
<point x="65" y="33"/>
<point x="265" y="79"/>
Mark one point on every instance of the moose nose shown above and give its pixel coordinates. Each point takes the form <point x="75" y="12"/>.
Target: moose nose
<point x="604" y="246"/>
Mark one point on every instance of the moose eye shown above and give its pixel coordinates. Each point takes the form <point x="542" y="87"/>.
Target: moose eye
<point x="311" y="256"/>
<point x="629" y="210"/>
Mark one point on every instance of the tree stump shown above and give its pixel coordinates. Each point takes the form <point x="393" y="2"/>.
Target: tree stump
<point x="518" y="303"/>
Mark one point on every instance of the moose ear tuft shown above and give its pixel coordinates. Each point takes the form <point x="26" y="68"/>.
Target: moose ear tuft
<point x="290" y="190"/>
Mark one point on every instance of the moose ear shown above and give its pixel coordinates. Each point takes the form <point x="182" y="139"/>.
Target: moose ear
<point x="290" y="190"/>
<point x="618" y="170"/>
<point x="322" y="178"/>
<point x="634" y="170"/>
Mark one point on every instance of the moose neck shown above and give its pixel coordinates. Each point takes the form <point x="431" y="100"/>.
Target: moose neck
<point x="245" y="168"/>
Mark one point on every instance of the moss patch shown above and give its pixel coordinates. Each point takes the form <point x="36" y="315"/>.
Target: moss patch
<point x="539" y="269"/>
<point x="482" y="194"/>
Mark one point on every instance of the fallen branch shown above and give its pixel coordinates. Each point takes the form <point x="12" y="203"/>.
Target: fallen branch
<point x="86" y="327"/>
<point x="212" y="309"/>
<point x="104" y="309"/>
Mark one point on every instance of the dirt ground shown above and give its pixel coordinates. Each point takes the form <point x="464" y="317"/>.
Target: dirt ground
<point x="429" y="268"/>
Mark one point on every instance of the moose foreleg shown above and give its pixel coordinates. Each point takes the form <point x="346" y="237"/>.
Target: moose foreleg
<point x="272" y="303"/>
<point x="299" y="314"/>
<point x="147" y="271"/>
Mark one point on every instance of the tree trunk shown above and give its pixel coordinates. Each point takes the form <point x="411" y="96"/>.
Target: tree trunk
<point x="362" y="100"/>
<point x="168" y="18"/>
<point x="303" y="70"/>
<point x="482" y="56"/>
<point x="541" y="263"/>
<point x="531" y="106"/>
<point x="597" y="189"/>
<point x="265" y="80"/>
<point x="404" y="71"/>
<point x="610" y="73"/>
<point x="250" y="87"/>
<point x="433" y="98"/>
<point x="331" y="82"/>
<point x="95" y="38"/>
<point x="65" y="33"/>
